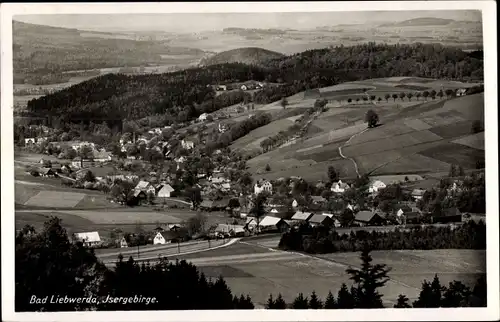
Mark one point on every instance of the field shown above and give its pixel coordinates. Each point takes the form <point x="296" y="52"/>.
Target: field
<point x="261" y="271"/>
<point x="408" y="139"/>
<point x="475" y="141"/>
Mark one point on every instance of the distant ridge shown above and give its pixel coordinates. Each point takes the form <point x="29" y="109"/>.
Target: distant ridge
<point x="247" y="55"/>
<point x="426" y="21"/>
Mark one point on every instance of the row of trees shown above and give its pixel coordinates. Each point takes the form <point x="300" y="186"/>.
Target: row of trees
<point x="469" y="235"/>
<point x="65" y="269"/>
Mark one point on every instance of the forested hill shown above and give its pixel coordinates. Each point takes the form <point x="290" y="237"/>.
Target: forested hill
<point x="421" y="22"/>
<point x="184" y="95"/>
<point x="248" y="55"/>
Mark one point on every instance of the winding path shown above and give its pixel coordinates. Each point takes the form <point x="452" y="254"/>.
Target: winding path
<point x="347" y="158"/>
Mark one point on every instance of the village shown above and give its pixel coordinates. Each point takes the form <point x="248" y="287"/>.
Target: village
<point x="186" y="178"/>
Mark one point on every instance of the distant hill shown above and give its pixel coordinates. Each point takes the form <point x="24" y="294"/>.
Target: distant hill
<point x="248" y="55"/>
<point x="420" y="22"/>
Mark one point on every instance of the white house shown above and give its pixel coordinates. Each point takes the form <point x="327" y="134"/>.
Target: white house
<point x="203" y="117"/>
<point x="295" y="204"/>
<point x="274" y="211"/>
<point x="187" y="144"/>
<point x="222" y="128"/>
<point x="123" y="243"/>
<point x="244" y="87"/>
<point x="165" y="191"/>
<point x="29" y="141"/>
<point x="78" y="145"/>
<point x="160" y="239"/>
<point x="461" y="92"/>
<point x="375" y="186"/>
<point x="417" y="194"/>
<point x="302" y="216"/>
<point x="263" y="186"/>
<point x="89" y="239"/>
<point x="339" y="187"/>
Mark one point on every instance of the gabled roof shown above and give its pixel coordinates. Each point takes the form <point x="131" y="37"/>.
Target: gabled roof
<point x="299" y="215"/>
<point x="142" y="185"/>
<point x="166" y="188"/>
<point x="45" y="170"/>
<point x="251" y="219"/>
<point x="92" y="236"/>
<point x="452" y="212"/>
<point x="138" y="192"/>
<point x="418" y="192"/>
<point x="365" y="216"/>
<point x="269" y="221"/>
<point x="168" y="234"/>
<point x="318" y="199"/>
<point x="318" y="219"/>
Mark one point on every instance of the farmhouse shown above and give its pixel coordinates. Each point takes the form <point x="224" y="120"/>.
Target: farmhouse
<point x="46" y="172"/>
<point x="165" y="237"/>
<point x="320" y="220"/>
<point x="449" y="215"/>
<point x="89" y="239"/>
<point x="295" y="204"/>
<point x="339" y="187"/>
<point x="165" y="191"/>
<point x="461" y="92"/>
<point x="145" y="186"/>
<point x="123" y="243"/>
<point x="417" y="194"/>
<point x="243" y="87"/>
<point x="318" y="199"/>
<point x="270" y="223"/>
<point x="207" y="205"/>
<point x="264" y="186"/>
<point x="250" y="223"/>
<point x="375" y="186"/>
<point x="221" y="88"/>
<point x="188" y="145"/>
<point x="29" y="141"/>
<point x="302" y="216"/>
<point x="78" y="162"/>
<point x="203" y="117"/>
<point x="368" y="218"/>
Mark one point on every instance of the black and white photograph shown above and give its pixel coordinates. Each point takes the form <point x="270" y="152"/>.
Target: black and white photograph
<point x="252" y="157"/>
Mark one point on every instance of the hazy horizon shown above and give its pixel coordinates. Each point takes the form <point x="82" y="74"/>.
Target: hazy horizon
<point x="197" y="22"/>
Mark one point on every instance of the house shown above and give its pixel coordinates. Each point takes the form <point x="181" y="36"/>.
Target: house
<point x="339" y="187"/>
<point x="203" y="117"/>
<point x="244" y="87"/>
<point x="295" y="204"/>
<point x="269" y="223"/>
<point x="29" y="141"/>
<point x="375" y="186"/>
<point x="302" y="216"/>
<point x="207" y="205"/>
<point x="221" y="88"/>
<point x="165" y="237"/>
<point x="461" y="91"/>
<point x="223" y="128"/>
<point x="417" y="194"/>
<point x="274" y="211"/>
<point x="139" y="196"/>
<point x="89" y="239"/>
<point x="221" y="204"/>
<point x="46" y="172"/>
<point x="165" y="191"/>
<point x="123" y="243"/>
<point x="225" y="186"/>
<point x="145" y="186"/>
<point x="250" y="223"/>
<point x="320" y="220"/>
<point x="368" y="218"/>
<point x="77" y="145"/>
<point x="318" y="199"/>
<point x="449" y="215"/>
<point x="102" y="156"/>
<point x="78" y="162"/>
<point x="264" y="186"/>
<point x="188" y="145"/>
<point x="56" y="167"/>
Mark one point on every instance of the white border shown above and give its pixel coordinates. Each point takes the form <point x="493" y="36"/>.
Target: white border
<point x="488" y="9"/>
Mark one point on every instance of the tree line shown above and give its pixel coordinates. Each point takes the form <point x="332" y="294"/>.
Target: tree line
<point x="49" y="264"/>
<point x="320" y="240"/>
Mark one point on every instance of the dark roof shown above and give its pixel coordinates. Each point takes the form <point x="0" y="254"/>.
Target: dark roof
<point x="170" y="234"/>
<point x="365" y="216"/>
<point x="413" y="214"/>
<point x="319" y="219"/>
<point x="138" y="192"/>
<point x="451" y="212"/>
<point x="45" y="170"/>
<point x="221" y="203"/>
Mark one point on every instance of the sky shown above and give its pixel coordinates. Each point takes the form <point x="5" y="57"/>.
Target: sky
<point x="196" y="22"/>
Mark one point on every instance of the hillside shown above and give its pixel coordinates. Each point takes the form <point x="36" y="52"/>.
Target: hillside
<point x="48" y="51"/>
<point x="248" y="55"/>
<point x="425" y="21"/>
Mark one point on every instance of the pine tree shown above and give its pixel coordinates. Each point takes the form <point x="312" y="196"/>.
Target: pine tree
<point x="315" y="303"/>
<point x="437" y="291"/>
<point x="425" y="298"/>
<point x="369" y="279"/>
<point x="270" y="302"/>
<point x="279" y="304"/>
<point x="300" y="302"/>
<point x="455" y="295"/>
<point x="344" y="298"/>
<point x="403" y="302"/>
<point x="330" y="301"/>
<point x="461" y="171"/>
